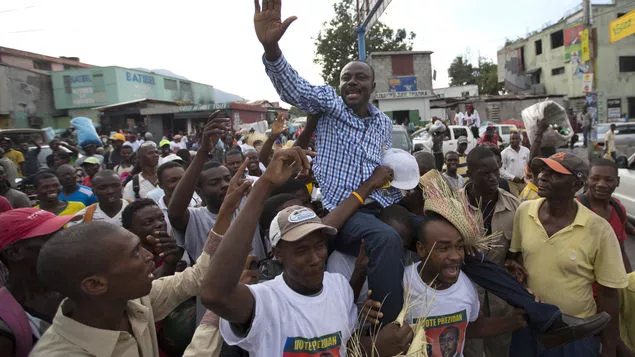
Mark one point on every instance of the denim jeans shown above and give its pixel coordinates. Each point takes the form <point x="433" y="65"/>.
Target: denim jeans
<point x="525" y="344"/>
<point x="495" y="279"/>
<point x="384" y="249"/>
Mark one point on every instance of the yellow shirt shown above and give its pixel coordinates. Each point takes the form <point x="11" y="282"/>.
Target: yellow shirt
<point x="17" y="159"/>
<point x="563" y="267"/>
<point x="627" y="312"/>
<point x="530" y="192"/>
<point x="71" y="208"/>
<point x="67" y="337"/>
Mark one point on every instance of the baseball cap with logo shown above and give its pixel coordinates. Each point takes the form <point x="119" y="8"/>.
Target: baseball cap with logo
<point x="29" y="223"/>
<point x="563" y="163"/>
<point x="294" y="223"/>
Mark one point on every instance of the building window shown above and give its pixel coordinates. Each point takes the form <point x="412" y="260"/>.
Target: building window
<point x="402" y="65"/>
<point x="186" y="87"/>
<point x="170" y="84"/>
<point x="557" y="71"/>
<point x="42" y="65"/>
<point x="557" y="39"/>
<point x="627" y="64"/>
<point x="67" y="84"/>
<point x="538" y="47"/>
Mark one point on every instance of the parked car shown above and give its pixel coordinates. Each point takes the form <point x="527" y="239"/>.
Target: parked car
<point x="504" y="131"/>
<point x="423" y="140"/>
<point x="401" y="139"/>
<point x="624" y="137"/>
<point x="18" y="136"/>
<point x="625" y="192"/>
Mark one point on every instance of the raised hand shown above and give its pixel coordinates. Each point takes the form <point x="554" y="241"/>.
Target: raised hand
<point x="380" y="177"/>
<point x="250" y="271"/>
<point x="238" y="188"/>
<point x="269" y="26"/>
<point x="284" y="163"/>
<point x="216" y="126"/>
<point x="278" y="126"/>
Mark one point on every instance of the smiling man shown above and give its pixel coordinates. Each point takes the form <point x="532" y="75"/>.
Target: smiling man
<point x="565" y="248"/>
<point x="48" y="189"/>
<point x="351" y="136"/>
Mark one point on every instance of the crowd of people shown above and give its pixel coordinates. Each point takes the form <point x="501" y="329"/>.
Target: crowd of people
<point x="322" y="246"/>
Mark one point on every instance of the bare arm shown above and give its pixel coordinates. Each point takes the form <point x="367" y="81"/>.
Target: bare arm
<point x="493" y="326"/>
<point x="277" y="127"/>
<point x="177" y="210"/>
<point x="222" y="291"/>
<point x="608" y="301"/>
<point x="305" y="137"/>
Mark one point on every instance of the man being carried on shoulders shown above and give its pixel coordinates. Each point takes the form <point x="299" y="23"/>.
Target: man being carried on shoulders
<point x="351" y="136"/>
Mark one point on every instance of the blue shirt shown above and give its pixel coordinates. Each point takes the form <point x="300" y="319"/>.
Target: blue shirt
<point x="83" y="194"/>
<point x="348" y="147"/>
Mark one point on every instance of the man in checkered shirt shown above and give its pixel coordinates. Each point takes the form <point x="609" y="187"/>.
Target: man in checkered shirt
<point x="351" y="136"/>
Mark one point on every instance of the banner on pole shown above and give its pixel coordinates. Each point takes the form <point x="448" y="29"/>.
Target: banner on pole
<point x="584" y="47"/>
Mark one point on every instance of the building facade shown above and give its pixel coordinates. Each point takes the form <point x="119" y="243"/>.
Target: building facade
<point x="551" y="61"/>
<point x="403" y="85"/>
<point x="26" y="97"/>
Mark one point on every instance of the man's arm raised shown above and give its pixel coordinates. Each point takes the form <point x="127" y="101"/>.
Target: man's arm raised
<point x="222" y="291"/>
<point x="290" y="86"/>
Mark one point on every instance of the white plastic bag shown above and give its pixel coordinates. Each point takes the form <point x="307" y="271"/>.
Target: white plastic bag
<point x="554" y="113"/>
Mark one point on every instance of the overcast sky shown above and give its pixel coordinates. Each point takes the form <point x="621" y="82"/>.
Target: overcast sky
<point x="213" y="41"/>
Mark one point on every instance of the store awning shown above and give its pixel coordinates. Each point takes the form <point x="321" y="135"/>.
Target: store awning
<point x="130" y="102"/>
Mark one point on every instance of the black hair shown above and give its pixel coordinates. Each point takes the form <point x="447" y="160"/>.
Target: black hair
<point x="209" y="165"/>
<point x="400" y="215"/>
<point x="235" y="152"/>
<point x="603" y="162"/>
<point x="451" y="153"/>
<point x="165" y="166"/>
<point x="479" y="154"/>
<point x="62" y="155"/>
<point x="425" y="161"/>
<point x="43" y="175"/>
<point x="132" y="208"/>
<point x="72" y="254"/>
<point x="272" y="207"/>
<point x="184" y="154"/>
<point x="291" y="186"/>
<point x="429" y="217"/>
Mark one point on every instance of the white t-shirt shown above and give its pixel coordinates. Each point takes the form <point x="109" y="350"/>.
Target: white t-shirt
<point x="289" y="324"/>
<point x="447" y="312"/>
<point x="101" y="216"/>
<point x="145" y="187"/>
<point x="344" y="264"/>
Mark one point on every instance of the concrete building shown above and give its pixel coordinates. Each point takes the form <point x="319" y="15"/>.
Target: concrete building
<point x="470" y="90"/>
<point x="114" y="96"/>
<point x="549" y="62"/>
<point x="404" y="85"/>
<point x="26" y="97"/>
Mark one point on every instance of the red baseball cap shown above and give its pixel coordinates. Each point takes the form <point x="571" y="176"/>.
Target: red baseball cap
<point x="28" y="223"/>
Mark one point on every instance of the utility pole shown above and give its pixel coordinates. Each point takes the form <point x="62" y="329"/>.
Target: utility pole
<point x="586" y="16"/>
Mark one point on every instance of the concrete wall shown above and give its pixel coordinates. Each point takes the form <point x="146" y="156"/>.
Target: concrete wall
<point x="25" y="94"/>
<point x="383" y="71"/>
<point x="457" y="91"/>
<point x="421" y="105"/>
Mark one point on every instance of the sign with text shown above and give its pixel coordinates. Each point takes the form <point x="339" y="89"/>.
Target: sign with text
<point x="622" y="27"/>
<point x="587" y="82"/>
<point x="202" y="107"/>
<point x="572" y="34"/>
<point x="584" y="46"/>
<point x="614" y="109"/>
<point x="399" y="95"/>
<point x="402" y="84"/>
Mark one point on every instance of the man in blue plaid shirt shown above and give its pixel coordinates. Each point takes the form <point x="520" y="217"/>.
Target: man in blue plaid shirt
<point x="351" y="136"/>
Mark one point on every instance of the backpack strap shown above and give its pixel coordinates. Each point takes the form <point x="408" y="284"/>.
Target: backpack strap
<point x="90" y="212"/>
<point x="12" y="313"/>
<point x="136" y="187"/>
<point x="584" y="199"/>
<point x="620" y="211"/>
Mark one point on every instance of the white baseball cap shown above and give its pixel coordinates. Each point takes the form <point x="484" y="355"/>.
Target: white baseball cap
<point x="404" y="167"/>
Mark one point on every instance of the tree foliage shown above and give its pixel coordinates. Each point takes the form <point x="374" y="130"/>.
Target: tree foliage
<point x="295" y="112"/>
<point x="336" y="44"/>
<point x="484" y="74"/>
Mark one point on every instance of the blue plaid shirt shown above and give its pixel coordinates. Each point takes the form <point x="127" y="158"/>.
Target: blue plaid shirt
<point x="349" y="148"/>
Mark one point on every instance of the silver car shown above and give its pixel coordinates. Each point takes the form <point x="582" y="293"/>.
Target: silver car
<point x="624" y="137"/>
